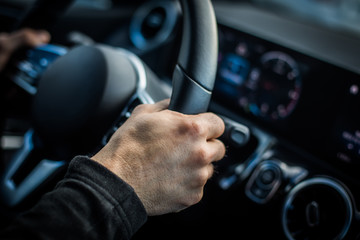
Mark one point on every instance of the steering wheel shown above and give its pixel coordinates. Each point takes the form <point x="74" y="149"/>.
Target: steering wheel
<point x="85" y="95"/>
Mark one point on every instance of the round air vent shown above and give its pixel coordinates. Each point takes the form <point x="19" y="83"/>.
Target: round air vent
<point x="318" y="208"/>
<point x="153" y="23"/>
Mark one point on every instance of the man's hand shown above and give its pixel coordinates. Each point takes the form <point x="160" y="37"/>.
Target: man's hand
<point x="9" y="43"/>
<point x="165" y="156"/>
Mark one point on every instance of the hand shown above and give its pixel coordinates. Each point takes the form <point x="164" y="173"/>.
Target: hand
<point x="9" y="43"/>
<point x="165" y="156"/>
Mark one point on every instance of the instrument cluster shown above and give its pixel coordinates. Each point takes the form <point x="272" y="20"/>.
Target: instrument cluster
<point x="309" y="102"/>
<point x="263" y="80"/>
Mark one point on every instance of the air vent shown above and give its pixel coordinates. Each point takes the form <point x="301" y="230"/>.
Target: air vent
<point x="153" y="23"/>
<point x="318" y="208"/>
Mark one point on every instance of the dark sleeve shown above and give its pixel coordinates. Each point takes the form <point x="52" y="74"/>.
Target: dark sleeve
<point x="89" y="203"/>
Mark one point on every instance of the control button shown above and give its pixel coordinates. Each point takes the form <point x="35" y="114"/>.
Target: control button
<point x="268" y="176"/>
<point x="235" y="134"/>
<point x="264" y="182"/>
<point x="259" y="192"/>
<point x="239" y="137"/>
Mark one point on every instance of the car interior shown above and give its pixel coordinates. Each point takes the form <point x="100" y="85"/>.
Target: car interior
<point x="283" y="75"/>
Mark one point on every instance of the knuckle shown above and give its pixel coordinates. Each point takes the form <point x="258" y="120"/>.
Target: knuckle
<point x="197" y="128"/>
<point x="191" y="127"/>
<point x="140" y="108"/>
<point x="183" y="126"/>
<point x="203" y="177"/>
<point x="218" y="122"/>
<point x="221" y="149"/>
<point x="197" y="197"/>
<point x="203" y="156"/>
<point x="193" y="198"/>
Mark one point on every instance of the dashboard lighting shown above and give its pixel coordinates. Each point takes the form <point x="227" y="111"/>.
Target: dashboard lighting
<point x="354" y="89"/>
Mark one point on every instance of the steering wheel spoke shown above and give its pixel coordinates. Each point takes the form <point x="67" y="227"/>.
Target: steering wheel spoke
<point x="148" y="91"/>
<point x="26" y="172"/>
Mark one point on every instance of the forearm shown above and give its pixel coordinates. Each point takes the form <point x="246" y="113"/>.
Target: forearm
<point x="90" y="203"/>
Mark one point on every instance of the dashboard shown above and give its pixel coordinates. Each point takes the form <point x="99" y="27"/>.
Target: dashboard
<point x="297" y="86"/>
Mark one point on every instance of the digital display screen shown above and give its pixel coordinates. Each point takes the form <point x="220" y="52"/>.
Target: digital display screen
<point x="260" y="79"/>
<point x="312" y="103"/>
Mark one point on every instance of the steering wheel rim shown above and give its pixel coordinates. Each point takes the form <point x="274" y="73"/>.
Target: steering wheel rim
<point x="193" y="81"/>
<point x="194" y="74"/>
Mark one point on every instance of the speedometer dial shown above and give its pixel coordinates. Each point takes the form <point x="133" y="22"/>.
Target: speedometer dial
<point x="273" y="89"/>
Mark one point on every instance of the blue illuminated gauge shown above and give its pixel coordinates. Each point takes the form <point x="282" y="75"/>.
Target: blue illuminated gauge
<point x="234" y="69"/>
<point x="273" y="89"/>
<point x="233" y="72"/>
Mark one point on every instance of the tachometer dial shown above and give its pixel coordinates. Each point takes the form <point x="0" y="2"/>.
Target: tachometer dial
<point x="273" y="89"/>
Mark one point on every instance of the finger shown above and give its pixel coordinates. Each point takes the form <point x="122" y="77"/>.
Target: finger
<point x="35" y="38"/>
<point x="215" y="149"/>
<point x="162" y="105"/>
<point x="149" y="108"/>
<point x="213" y="125"/>
<point x="28" y="38"/>
<point x="201" y="176"/>
<point x="210" y="169"/>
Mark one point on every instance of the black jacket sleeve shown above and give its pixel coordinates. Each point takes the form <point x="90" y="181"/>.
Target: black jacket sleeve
<point x="89" y="203"/>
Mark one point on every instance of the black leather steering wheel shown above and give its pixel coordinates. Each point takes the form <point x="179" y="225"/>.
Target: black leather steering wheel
<point x="91" y="89"/>
<point x="194" y="75"/>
